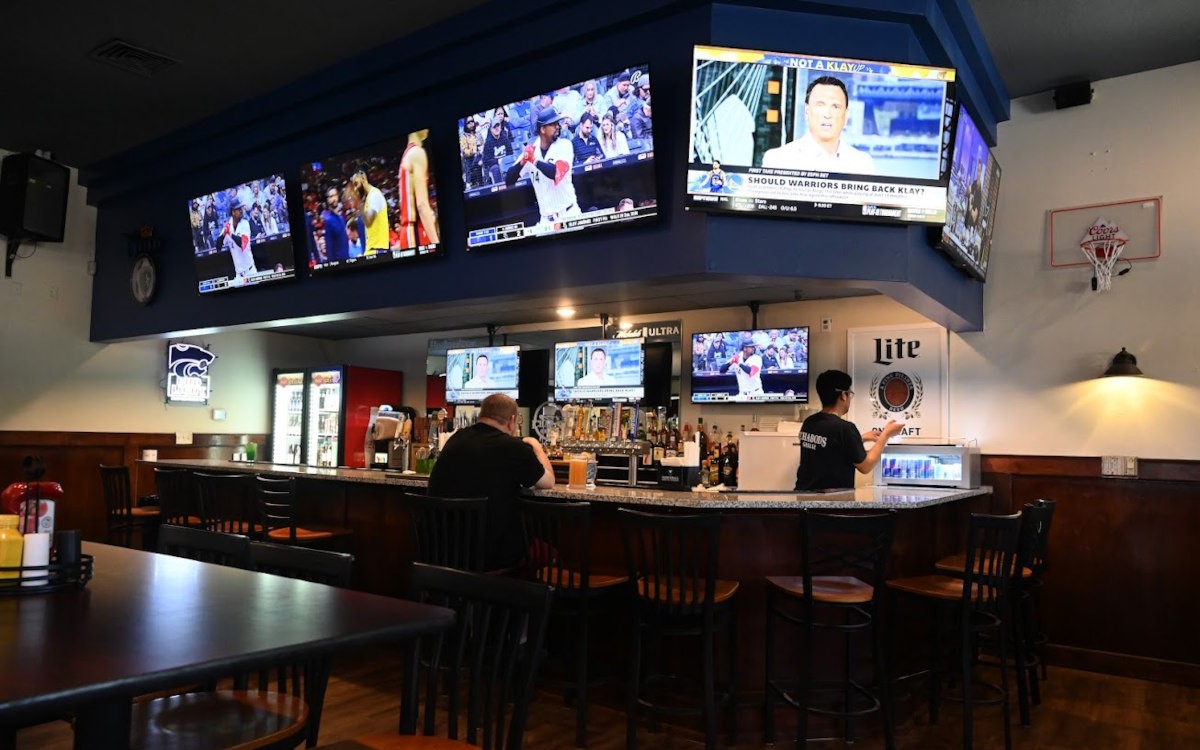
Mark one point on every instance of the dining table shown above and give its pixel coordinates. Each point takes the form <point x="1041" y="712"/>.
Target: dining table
<point x="147" y="622"/>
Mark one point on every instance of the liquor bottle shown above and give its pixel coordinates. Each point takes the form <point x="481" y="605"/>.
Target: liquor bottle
<point x="729" y="471"/>
<point x="701" y="437"/>
<point x="686" y="437"/>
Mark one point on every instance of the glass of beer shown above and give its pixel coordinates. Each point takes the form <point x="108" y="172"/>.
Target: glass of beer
<point x="577" y="476"/>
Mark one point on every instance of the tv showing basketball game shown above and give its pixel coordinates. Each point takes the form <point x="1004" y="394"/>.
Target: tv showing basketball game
<point x="476" y="373"/>
<point x="372" y="207"/>
<point x="241" y="236"/>
<point x="971" y="203"/>
<point x="571" y="159"/>
<point x="757" y="366"/>
<point x="602" y="370"/>
<point x="805" y="136"/>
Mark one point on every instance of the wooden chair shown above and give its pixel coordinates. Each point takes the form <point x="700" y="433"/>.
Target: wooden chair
<point x="979" y="599"/>
<point x="840" y="591"/>
<point x="484" y="667"/>
<point x="124" y="518"/>
<point x="277" y="510"/>
<point x="177" y="501"/>
<point x="227" y="503"/>
<point x="672" y="563"/>
<point x="448" y="532"/>
<point x="558" y="537"/>
<point x="236" y="719"/>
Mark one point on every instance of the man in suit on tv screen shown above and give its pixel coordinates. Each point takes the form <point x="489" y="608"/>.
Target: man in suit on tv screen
<point x="821" y="149"/>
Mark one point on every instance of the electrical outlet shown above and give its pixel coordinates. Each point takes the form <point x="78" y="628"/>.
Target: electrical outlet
<point x="1118" y="466"/>
<point x="826" y="325"/>
<point x="183" y="438"/>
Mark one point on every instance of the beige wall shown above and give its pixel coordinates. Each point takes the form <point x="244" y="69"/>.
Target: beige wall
<point x="1024" y="385"/>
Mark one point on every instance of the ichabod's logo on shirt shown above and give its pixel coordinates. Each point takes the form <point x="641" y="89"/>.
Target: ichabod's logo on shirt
<point x="812" y="442"/>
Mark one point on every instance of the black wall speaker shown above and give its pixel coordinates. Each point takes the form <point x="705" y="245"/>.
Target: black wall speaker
<point x="33" y="198"/>
<point x="533" y="378"/>
<point x="1073" y="95"/>
<point x="656" y="372"/>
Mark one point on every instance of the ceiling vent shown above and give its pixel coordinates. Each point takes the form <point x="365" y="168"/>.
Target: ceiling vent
<point x="123" y="55"/>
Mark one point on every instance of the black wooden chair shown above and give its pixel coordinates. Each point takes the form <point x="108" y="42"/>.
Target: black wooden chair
<point x="276" y="498"/>
<point x="178" y="502"/>
<point x="483" y="670"/>
<point x="124" y="518"/>
<point x="448" y="532"/>
<point x="672" y="565"/>
<point x="840" y="590"/>
<point x="558" y="540"/>
<point x="228" y="503"/>
<point x="215" y="547"/>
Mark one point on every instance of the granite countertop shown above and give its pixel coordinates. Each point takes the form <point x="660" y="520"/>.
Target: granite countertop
<point x="899" y="498"/>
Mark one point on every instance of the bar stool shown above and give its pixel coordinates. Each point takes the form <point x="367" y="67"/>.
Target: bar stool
<point x="447" y="532"/>
<point x="278" y="517"/>
<point x="840" y="590"/>
<point x="672" y="561"/>
<point x="124" y="518"/>
<point x="177" y="501"/>
<point x="980" y="601"/>
<point x="227" y="503"/>
<point x="558" y="537"/>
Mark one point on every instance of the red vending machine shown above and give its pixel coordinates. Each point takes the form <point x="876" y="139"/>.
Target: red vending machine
<point x="334" y="412"/>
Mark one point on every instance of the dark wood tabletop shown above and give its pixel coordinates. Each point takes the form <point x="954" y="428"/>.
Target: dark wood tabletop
<point x="147" y="622"/>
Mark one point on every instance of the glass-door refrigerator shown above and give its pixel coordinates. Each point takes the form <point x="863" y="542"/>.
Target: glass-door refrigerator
<point x="332" y="411"/>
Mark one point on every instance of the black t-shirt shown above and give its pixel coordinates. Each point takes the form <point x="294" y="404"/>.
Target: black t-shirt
<point x="482" y="461"/>
<point x="829" y="449"/>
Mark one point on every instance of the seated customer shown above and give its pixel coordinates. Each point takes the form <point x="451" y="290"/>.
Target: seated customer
<point x="486" y="460"/>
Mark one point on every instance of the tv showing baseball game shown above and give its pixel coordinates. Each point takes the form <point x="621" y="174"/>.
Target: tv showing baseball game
<point x="575" y="158"/>
<point x="241" y="236"/>
<point x="602" y="370"/>
<point x="805" y="136"/>
<point x="476" y="373"/>
<point x="769" y="365"/>
<point x="372" y="207"/>
<point x="971" y="203"/>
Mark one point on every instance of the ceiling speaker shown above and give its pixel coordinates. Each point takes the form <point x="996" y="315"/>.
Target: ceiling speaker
<point x="1073" y="95"/>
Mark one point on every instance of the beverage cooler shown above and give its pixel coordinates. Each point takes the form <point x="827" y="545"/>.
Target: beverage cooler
<point x="929" y="466"/>
<point x="319" y="415"/>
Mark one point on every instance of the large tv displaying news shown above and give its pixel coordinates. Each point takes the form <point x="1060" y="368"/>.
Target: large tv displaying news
<point x="971" y="203"/>
<point x="601" y="370"/>
<point x="572" y="159"/>
<point x="241" y="236"/>
<point x="790" y="135"/>
<point x="759" y="366"/>
<point x="476" y="373"/>
<point x="371" y="207"/>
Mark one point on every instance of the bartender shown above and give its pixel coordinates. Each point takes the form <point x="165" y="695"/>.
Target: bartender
<point x="831" y="447"/>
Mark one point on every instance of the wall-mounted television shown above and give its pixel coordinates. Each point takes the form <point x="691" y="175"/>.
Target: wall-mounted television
<point x="571" y="159"/>
<point x="600" y="370"/>
<point x="241" y="236"/>
<point x="768" y="365"/>
<point x="971" y="201"/>
<point x="790" y="135"/>
<point x="476" y="373"/>
<point x="371" y="207"/>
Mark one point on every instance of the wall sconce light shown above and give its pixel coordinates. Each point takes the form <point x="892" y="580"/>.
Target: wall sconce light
<point x="1123" y="363"/>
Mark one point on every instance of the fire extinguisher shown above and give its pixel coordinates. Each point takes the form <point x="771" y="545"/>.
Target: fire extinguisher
<point x="33" y="500"/>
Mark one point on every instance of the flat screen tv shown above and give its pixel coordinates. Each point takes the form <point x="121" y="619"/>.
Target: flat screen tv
<point x="802" y="136"/>
<point x="241" y="237"/>
<point x="476" y="373"/>
<point x="971" y="202"/>
<point x="761" y="366"/>
<point x="601" y="370"/>
<point x="572" y="159"/>
<point x="372" y="207"/>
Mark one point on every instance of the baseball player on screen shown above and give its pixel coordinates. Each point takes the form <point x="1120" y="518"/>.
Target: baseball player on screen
<point x="748" y="369"/>
<point x="548" y="164"/>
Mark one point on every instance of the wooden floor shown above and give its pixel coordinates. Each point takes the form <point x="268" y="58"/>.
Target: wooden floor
<point x="1080" y="711"/>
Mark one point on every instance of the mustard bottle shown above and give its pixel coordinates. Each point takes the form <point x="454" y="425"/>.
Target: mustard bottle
<point x="11" y="545"/>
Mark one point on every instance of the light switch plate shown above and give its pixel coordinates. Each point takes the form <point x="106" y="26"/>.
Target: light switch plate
<point x="183" y="438"/>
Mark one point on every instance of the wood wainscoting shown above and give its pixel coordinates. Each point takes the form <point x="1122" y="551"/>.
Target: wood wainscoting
<point x="73" y="458"/>
<point x="1122" y="593"/>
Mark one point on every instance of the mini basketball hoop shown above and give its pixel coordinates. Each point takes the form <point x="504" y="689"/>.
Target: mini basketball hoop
<point x="1102" y="246"/>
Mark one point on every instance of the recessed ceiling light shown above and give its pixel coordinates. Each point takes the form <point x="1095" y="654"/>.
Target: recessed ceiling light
<point x="566" y="312"/>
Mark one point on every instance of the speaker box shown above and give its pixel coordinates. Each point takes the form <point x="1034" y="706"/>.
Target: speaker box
<point x="33" y="198"/>
<point x="1073" y="95"/>
<point x="533" y="377"/>
<point x="656" y="372"/>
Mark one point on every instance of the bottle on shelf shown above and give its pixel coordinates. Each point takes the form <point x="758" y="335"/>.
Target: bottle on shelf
<point x="701" y="437"/>
<point x="729" y="468"/>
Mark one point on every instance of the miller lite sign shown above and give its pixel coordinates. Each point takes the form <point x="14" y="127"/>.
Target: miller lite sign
<point x="899" y="374"/>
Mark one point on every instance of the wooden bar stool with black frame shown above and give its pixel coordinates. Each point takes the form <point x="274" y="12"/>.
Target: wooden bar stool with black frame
<point x="979" y="600"/>
<point x="840" y="590"/>
<point x="178" y="503"/>
<point x="558" y="540"/>
<point x="278" y="516"/>
<point x="448" y="532"/>
<point x="672" y="562"/>
<point x="228" y="503"/>
<point x="125" y="518"/>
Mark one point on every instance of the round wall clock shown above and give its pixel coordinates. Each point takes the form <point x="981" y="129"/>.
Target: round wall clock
<point x="143" y="281"/>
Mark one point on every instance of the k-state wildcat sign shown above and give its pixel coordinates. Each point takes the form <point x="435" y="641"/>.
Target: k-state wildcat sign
<point x="899" y="374"/>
